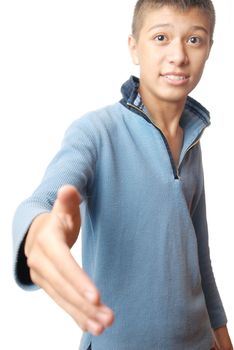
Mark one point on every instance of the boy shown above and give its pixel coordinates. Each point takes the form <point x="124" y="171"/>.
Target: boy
<point x="135" y="180"/>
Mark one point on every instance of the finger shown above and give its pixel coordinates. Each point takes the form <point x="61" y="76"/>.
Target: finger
<point x="61" y="257"/>
<point x="86" y="324"/>
<point x="46" y="271"/>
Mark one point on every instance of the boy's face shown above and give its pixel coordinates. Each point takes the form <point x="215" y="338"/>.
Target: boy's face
<point x="171" y="50"/>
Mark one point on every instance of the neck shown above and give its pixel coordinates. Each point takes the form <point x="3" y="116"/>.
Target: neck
<point x="165" y="115"/>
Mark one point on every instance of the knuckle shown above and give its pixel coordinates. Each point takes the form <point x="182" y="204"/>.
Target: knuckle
<point x="32" y="261"/>
<point x="80" y="321"/>
<point x="87" y="309"/>
<point x="84" y="308"/>
<point x="33" y="276"/>
<point x="40" y="240"/>
<point x="83" y="326"/>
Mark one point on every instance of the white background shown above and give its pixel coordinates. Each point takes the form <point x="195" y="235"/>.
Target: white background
<point x="58" y="60"/>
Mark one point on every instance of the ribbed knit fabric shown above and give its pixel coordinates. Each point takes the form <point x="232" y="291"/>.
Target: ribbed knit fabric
<point x="144" y="231"/>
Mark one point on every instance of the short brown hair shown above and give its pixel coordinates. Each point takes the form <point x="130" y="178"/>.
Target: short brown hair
<point x="143" y="5"/>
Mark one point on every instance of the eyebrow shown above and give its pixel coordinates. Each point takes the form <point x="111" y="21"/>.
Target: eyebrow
<point x="163" y="25"/>
<point x="200" y="28"/>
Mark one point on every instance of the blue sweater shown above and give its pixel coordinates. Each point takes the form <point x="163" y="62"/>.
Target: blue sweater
<point x="144" y="231"/>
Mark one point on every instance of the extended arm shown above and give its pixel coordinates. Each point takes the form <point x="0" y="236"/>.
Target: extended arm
<point x="47" y="224"/>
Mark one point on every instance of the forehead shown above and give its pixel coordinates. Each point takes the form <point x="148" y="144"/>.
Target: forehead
<point x="172" y="17"/>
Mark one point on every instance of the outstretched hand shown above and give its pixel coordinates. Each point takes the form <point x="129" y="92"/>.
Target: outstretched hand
<point x="53" y="268"/>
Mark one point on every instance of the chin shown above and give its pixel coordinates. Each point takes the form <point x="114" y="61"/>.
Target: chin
<point x="174" y="98"/>
<point x="175" y="93"/>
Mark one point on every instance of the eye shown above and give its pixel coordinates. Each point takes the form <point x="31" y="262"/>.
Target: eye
<point x="194" y="40"/>
<point x="160" y="38"/>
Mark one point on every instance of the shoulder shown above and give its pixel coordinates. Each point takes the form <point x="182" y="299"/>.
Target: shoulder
<point x="94" y="126"/>
<point x="107" y="115"/>
<point x="197" y="110"/>
<point x="99" y="122"/>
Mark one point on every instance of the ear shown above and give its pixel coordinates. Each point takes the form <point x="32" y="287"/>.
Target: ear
<point x="132" y="45"/>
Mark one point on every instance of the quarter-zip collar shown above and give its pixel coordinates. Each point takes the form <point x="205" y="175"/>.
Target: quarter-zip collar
<point x="131" y="96"/>
<point x="194" y="119"/>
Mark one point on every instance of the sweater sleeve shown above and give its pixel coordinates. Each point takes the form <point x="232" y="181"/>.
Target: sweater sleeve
<point x="74" y="164"/>
<point x="213" y="301"/>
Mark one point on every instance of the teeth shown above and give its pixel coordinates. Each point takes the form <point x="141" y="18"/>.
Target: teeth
<point x="175" y="77"/>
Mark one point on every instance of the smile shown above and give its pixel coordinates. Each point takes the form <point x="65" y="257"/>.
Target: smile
<point x="175" y="77"/>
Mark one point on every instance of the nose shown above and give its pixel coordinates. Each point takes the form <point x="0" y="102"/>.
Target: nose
<point x="177" y="53"/>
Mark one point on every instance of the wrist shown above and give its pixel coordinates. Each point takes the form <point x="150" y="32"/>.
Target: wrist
<point x="222" y="338"/>
<point x="35" y="227"/>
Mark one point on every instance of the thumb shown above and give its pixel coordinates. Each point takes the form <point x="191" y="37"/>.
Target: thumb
<point x="66" y="209"/>
<point x="68" y="200"/>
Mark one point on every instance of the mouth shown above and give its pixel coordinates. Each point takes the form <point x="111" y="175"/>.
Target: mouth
<point x="175" y="78"/>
